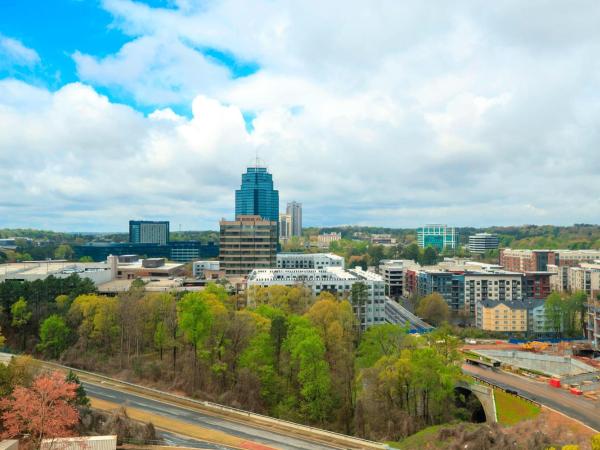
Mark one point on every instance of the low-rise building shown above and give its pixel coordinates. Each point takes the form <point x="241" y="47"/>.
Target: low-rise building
<point x="323" y="240"/>
<point x="308" y="260"/>
<point x="502" y="316"/>
<point x="98" y="273"/>
<point x="152" y="268"/>
<point x="199" y="267"/>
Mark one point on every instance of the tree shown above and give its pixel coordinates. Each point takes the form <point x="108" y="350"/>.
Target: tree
<point x="382" y="340"/>
<point x="86" y="259"/>
<point x="54" y="335"/>
<point x="81" y="398"/>
<point x="429" y="257"/>
<point x="41" y="411"/>
<point x="359" y="296"/>
<point x="2" y="339"/>
<point x="433" y="309"/>
<point x="20" y="316"/>
<point x="63" y="251"/>
<point x="553" y="310"/>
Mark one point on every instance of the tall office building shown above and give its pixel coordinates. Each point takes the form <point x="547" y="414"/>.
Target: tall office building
<point x="247" y="243"/>
<point x="256" y="196"/>
<point x="148" y="232"/>
<point x="285" y="226"/>
<point x="437" y="236"/>
<point x="294" y="209"/>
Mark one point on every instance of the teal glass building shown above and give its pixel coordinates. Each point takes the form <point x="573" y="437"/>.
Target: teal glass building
<point x="256" y="196"/>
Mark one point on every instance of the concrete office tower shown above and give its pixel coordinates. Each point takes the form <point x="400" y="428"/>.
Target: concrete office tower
<point x="148" y="232"/>
<point x="285" y="226"/>
<point x="247" y="243"/>
<point x="294" y="209"/>
<point x="256" y="196"/>
<point x="437" y="236"/>
<point x="482" y="242"/>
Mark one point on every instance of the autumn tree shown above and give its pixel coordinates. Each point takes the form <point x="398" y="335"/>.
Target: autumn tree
<point x="433" y="309"/>
<point x="41" y="411"/>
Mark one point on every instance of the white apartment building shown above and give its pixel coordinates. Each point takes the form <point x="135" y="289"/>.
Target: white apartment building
<point x="198" y="267"/>
<point x="494" y="285"/>
<point x="336" y="280"/>
<point x="308" y="260"/>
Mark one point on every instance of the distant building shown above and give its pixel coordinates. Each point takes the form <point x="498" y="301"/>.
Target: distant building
<point x="383" y="239"/>
<point x="393" y="275"/>
<point x="308" y="260"/>
<point x="9" y="243"/>
<point x="522" y="260"/>
<point x="180" y="251"/>
<point x="148" y="232"/>
<point x="256" y="196"/>
<point x="482" y="242"/>
<point x="450" y="285"/>
<point x="247" y="243"/>
<point x="98" y="273"/>
<point x="198" y="267"/>
<point x="80" y="442"/>
<point x="285" y="226"/>
<point x="437" y="236"/>
<point x="323" y="240"/>
<point x="294" y="209"/>
<point x="502" y="316"/>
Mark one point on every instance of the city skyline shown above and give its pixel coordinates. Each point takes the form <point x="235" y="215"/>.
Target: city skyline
<point x="120" y="108"/>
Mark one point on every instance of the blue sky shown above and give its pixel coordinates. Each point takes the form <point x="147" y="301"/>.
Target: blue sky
<point x="393" y="115"/>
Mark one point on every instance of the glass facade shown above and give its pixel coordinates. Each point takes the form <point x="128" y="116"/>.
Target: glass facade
<point x="437" y="236"/>
<point x="256" y="196"/>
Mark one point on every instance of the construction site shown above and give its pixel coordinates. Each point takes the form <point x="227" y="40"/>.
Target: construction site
<point x="571" y="366"/>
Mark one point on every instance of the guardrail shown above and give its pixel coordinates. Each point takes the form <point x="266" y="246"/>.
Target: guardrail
<point x="330" y="437"/>
<point x="508" y="391"/>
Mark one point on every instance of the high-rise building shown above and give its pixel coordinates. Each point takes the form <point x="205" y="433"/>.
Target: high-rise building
<point x="148" y="232"/>
<point x="256" y="196"/>
<point x="437" y="236"/>
<point x="285" y="226"/>
<point x="247" y="243"/>
<point x="294" y="209"/>
<point x="483" y="242"/>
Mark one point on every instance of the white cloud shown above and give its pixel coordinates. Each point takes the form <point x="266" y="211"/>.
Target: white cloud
<point x="14" y="52"/>
<point x="393" y="113"/>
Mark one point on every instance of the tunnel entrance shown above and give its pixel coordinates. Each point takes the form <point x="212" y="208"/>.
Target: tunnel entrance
<point x="468" y="405"/>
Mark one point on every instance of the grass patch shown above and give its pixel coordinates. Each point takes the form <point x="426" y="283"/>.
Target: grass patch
<point x="426" y="438"/>
<point x="512" y="409"/>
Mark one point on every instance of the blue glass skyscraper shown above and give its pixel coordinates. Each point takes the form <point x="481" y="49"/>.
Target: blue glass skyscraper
<point x="256" y="196"/>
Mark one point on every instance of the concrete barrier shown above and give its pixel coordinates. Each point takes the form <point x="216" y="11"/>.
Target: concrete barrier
<point x="256" y="420"/>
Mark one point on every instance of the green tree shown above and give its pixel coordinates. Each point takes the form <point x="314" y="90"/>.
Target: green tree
<point x="382" y="340"/>
<point x="553" y="310"/>
<point x="20" y="317"/>
<point x="63" y="251"/>
<point x="430" y="256"/>
<point x="81" y="398"/>
<point x="433" y="309"/>
<point x="86" y="259"/>
<point x="54" y="336"/>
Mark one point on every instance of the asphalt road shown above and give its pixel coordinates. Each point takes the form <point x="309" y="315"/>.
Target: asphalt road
<point x="577" y="407"/>
<point x="247" y="432"/>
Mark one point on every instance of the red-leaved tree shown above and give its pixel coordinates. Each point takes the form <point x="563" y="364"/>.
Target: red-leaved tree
<point x="42" y="411"/>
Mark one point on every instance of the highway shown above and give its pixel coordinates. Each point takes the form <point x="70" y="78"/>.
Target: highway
<point x="582" y="409"/>
<point x="249" y="434"/>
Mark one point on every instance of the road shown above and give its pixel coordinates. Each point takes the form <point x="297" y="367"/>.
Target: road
<point x="582" y="409"/>
<point x="189" y="416"/>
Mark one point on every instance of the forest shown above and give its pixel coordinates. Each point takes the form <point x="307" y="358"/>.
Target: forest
<point x="288" y="354"/>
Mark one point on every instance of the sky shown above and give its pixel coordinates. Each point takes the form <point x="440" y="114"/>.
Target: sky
<point x="387" y="113"/>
